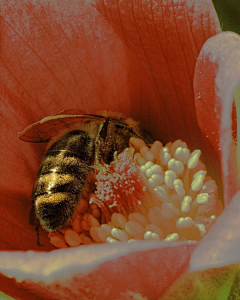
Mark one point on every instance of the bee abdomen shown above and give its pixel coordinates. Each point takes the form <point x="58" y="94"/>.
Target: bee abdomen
<point x="78" y="143"/>
<point x="56" y="183"/>
<point x="61" y="178"/>
<point x="61" y="172"/>
<point x="53" y="210"/>
<point x="62" y="162"/>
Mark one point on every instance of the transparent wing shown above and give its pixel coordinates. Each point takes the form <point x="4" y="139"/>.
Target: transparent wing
<point x="42" y="131"/>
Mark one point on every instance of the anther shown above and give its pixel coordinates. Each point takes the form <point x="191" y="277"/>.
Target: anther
<point x="170" y="176"/>
<point x="186" y="222"/>
<point x="176" y="166"/>
<point x="186" y="204"/>
<point x="172" y="237"/>
<point x="165" y="156"/>
<point x="178" y="186"/>
<point x="194" y="159"/>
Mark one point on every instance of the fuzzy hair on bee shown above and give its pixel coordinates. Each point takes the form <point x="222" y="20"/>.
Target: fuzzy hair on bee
<point x="77" y="144"/>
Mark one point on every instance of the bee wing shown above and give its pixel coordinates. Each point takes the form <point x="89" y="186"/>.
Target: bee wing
<point x="42" y="131"/>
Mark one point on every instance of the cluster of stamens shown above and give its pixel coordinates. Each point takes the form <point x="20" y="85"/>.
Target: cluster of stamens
<point x="146" y="193"/>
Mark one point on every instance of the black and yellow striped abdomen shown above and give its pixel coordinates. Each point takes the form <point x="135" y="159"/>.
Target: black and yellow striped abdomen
<point x="61" y="178"/>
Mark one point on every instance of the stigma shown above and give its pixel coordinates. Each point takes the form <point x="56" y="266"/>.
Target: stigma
<point x="148" y="192"/>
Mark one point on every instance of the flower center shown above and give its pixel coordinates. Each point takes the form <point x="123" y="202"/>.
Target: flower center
<point x="146" y="193"/>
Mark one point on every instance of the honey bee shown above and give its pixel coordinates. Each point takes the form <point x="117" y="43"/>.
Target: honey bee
<point x="78" y="144"/>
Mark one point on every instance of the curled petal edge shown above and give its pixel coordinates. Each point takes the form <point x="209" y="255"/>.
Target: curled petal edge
<point x="216" y="84"/>
<point x="87" y="271"/>
<point x="217" y="78"/>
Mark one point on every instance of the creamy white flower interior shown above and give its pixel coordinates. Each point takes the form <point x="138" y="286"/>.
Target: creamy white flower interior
<point x="150" y="193"/>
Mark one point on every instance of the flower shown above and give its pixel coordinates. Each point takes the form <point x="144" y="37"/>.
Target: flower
<point x="138" y="58"/>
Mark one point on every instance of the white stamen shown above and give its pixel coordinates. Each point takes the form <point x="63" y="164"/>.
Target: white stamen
<point x="194" y="159"/>
<point x="155" y="180"/>
<point x="138" y="217"/>
<point x="212" y="219"/>
<point x="154" y="228"/>
<point x="209" y="186"/>
<point x="164" y="156"/>
<point x="72" y="238"/>
<point x="119" y="234"/>
<point x="176" y="166"/>
<point x="146" y="153"/>
<point x="135" y="229"/>
<point x="182" y="154"/>
<point x="178" y="186"/>
<point x="174" y="146"/>
<point x="186" y="222"/>
<point x="131" y="240"/>
<point x="111" y="240"/>
<point x="198" y="180"/>
<point x="94" y="234"/>
<point x="202" y="198"/>
<point x="172" y="237"/>
<point x="118" y="220"/>
<point x="104" y="231"/>
<point x="154" y="169"/>
<point x="186" y="204"/>
<point x="148" y="235"/>
<point x="161" y="193"/>
<point x="201" y="228"/>
<point x="170" y="176"/>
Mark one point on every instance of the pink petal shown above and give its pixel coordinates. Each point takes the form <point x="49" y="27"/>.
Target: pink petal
<point x="216" y="78"/>
<point x="96" y="272"/>
<point x="166" y="38"/>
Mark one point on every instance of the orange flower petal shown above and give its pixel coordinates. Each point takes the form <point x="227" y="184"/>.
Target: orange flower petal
<point x="61" y="55"/>
<point x="53" y="56"/>
<point x="166" y="38"/>
<point x="59" y="64"/>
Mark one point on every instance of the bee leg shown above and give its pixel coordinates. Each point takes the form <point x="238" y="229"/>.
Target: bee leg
<point x="38" y="239"/>
<point x="33" y="221"/>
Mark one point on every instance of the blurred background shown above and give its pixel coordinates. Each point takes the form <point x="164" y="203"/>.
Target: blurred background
<point x="229" y="14"/>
